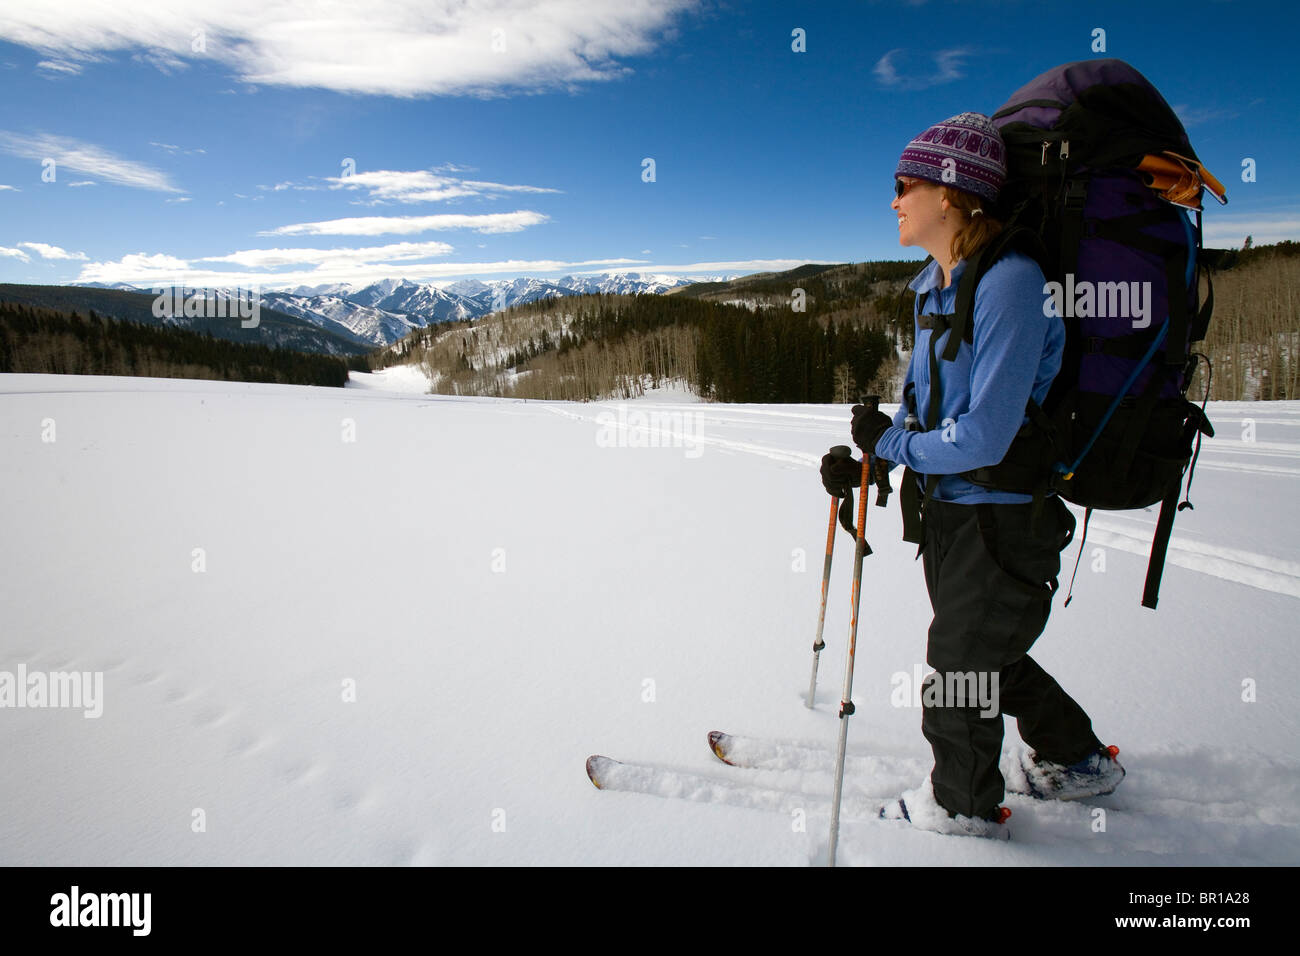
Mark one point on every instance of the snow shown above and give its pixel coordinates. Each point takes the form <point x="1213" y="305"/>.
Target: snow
<point x="508" y="587"/>
<point x="395" y="378"/>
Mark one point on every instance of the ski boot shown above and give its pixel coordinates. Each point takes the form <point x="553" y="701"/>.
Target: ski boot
<point x="1094" y="776"/>
<point x="919" y="808"/>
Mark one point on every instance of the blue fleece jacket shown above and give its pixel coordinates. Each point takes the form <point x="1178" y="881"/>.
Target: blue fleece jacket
<point x="1016" y="353"/>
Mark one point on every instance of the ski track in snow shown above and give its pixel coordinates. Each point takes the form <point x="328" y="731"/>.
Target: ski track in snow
<point x="1231" y="564"/>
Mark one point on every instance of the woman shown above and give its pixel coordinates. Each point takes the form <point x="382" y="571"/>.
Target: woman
<point x="990" y="570"/>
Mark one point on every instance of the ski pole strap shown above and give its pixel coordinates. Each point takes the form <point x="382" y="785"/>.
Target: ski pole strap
<point x="880" y="478"/>
<point x="848" y="518"/>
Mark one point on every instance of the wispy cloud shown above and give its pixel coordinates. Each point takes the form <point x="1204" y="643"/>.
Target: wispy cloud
<point x="424" y="185"/>
<point x="52" y="252"/>
<point x="407" y="225"/>
<point x="86" y="158"/>
<point x="920" y="71"/>
<point x="1229" y="232"/>
<point x="66" y="67"/>
<point x="388" y="47"/>
<point x="1197" y="115"/>
<point x="174" y="149"/>
<point x="276" y="258"/>
<point x="13" y="253"/>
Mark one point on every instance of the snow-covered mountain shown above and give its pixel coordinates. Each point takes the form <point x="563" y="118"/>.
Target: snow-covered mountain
<point x="337" y="314"/>
<point x="389" y="309"/>
<point x="385" y="311"/>
<point x="121" y="286"/>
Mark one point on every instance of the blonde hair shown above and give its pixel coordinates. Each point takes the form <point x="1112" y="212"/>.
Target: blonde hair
<point x="977" y="229"/>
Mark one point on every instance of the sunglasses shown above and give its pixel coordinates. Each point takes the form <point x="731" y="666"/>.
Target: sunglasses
<point x="901" y="188"/>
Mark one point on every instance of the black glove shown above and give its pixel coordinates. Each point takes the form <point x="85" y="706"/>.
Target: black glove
<point x="867" y="427"/>
<point x="840" y="475"/>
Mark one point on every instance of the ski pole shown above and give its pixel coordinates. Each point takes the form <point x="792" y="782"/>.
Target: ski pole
<point x="846" y="699"/>
<point x="839" y="451"/>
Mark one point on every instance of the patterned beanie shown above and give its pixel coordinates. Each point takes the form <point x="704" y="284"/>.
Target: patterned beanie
<point x="973" y="144"/>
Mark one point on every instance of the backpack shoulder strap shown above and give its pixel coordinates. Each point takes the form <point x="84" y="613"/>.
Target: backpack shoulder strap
<point x="962" y="321"/>
<point x="920" y="303"/>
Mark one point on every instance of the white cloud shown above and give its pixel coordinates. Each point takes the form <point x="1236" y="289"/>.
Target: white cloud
<point x="946" y="66"/>
<point x="274" y="258"/>
<point x="52" y="252"/>
<point x="145" y="271"/>
<point x="735" y="265"/>
<point x="85" y="158"/>
<point x="423" y="185"/>
<point x="15" y="254"/>
<point x="141" y="269"/>
<point x="14" y="188"/>
<point x="381" y="225"/>
<point x="59" y="66"/>
<point x="1223" y="232"/>
<point x="387" y="47"/>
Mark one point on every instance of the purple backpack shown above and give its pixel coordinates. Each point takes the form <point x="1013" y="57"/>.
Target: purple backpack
<point x="1101" y="171"/>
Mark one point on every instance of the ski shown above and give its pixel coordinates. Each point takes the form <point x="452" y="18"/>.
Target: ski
<point x="609" y="774"/>
<point x="757" y="753"/>
<point x="859" y="805"/>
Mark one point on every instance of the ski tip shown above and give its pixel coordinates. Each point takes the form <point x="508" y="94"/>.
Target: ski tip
<point x="718" y="743"/>
<point x="597" y="767"/>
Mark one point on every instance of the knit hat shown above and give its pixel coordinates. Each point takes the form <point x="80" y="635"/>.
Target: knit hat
<point x="975" y="146"/>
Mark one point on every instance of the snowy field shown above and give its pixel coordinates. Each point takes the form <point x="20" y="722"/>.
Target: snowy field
<point x="375" y="626"/>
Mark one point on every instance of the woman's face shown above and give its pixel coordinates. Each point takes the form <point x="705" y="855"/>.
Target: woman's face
<point x="920" y="212"/>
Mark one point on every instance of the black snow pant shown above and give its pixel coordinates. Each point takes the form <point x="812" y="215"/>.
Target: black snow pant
<point x="991" y="582"/>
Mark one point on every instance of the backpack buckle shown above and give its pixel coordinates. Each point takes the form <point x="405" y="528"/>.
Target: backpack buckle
<point x="1076" y="193"/>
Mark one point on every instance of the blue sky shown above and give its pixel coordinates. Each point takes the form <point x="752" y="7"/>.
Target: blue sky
<point x="206" y="143"/>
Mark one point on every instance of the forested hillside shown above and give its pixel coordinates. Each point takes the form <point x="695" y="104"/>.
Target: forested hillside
<point x="587" y="347"/>
<point x="1254" y="336"/>
<point x="43" y="340"/>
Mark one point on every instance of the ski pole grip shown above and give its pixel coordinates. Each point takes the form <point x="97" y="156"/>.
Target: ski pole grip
<point x="872" y="402"/>
<point x="841" y="451"/>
